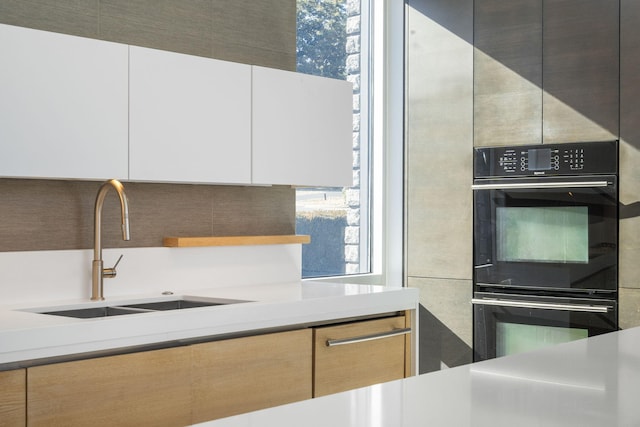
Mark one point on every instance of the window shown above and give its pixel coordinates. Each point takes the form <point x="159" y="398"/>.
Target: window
<point x="357" y="232"/>
<point x="332" y="42"/>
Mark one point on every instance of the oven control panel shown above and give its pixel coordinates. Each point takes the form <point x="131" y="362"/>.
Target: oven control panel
<point x="547" y="159"/>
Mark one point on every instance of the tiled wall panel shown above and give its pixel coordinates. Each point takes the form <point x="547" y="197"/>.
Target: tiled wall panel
<point x="439" y="144"/>
<point x="629" y="164"/>
<point x="49" y="214"/>
<point x="259" y="33"/>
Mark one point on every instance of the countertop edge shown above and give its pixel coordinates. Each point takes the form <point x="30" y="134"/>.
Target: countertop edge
<point x="325" y="303"/>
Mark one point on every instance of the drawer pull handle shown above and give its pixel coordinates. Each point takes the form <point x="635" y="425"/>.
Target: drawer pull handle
<point x="363" y="338"/>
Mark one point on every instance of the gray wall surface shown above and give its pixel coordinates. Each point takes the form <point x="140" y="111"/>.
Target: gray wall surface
<point x="251" y="32"/>
<point x="439" y="144"/>
<point x="43" y="215"/>
<point x="629" y="163"/>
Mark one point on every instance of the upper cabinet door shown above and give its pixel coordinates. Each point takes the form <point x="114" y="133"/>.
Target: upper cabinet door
<point x="302" y="129"/>
<point x="63" y="106"/>
<point x="190" y="118"/>
<point x="581" y="70"/>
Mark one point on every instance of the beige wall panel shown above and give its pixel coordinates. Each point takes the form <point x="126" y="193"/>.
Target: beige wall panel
<point x="264" y="31"/>
<point x="629" y="232"/>
<point x="13" y="398"/>
<point x="629" y="308"/>
<point x="630" y="73"/>
<point x="446" y="319"/>
<point x="183" y="26"/>
<point x="507" y="72"/>
<point x="78" y="18"/>
<point x="260" y="33"/>
<point x="580" y="69"/>
<point x="49" y="214"/>
<point x="439" y="138"/>
<point x="629" y="273"/>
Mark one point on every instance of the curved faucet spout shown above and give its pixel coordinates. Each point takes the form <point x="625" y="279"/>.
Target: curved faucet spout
<point x="98" y="270"/>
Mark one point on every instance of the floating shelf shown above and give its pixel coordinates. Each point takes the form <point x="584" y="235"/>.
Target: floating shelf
<point x="186" y="242"/>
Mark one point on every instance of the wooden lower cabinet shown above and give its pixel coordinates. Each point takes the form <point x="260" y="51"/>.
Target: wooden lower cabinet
<point x="173" y="387"/>
<point x="247" y="374"/>
<point x="367" y="360"/>
<point x="146" y="388"/>
<point x="200" y="382"/>
<point x="13" y="396"/>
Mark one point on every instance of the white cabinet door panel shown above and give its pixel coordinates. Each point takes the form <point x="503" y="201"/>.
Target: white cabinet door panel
<point x="190" y="118"/>
<point x="302" y="129"/>
<point x="63" y="106"/>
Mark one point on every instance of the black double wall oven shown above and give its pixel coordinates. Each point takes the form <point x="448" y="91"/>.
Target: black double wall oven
<point x="545" y="245"/>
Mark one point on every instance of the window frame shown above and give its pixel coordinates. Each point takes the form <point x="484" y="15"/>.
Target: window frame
<point x="385" y="125"/>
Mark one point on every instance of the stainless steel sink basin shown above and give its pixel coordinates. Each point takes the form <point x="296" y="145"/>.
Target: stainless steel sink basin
<point x="136" y="307"/>
<point x="90" y="313"/>
<point x="173" y="304"/>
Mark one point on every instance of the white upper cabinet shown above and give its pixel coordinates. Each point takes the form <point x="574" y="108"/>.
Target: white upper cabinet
<point x="63" y="106"/>
<point x="190" y="118"/>
<point x="302" y="129"/>
<point x="79" y="108"/>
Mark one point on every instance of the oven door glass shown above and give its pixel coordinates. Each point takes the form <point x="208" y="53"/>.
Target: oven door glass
<point x="512" y="338"/>
<point x="507" y="324"/>
<point x="546" y="233"/>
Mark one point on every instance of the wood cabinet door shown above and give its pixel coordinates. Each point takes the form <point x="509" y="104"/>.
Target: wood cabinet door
<point x="13" y="398"/>
<point x="360" y="363"/>
<point x="581" y="70"/>
<point x="148" y="388"/>
<point x="190" y="118"/>
<point x="246" y="374"/>
<point x="302" y="129"/>
<point x="63" y="106"/>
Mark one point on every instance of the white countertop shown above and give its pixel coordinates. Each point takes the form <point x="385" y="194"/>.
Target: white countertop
<point x="26" y="336"/>
<point x="591" y="382"/>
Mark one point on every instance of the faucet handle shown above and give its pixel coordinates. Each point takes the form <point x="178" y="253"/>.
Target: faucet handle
<point x="111" y="272"/>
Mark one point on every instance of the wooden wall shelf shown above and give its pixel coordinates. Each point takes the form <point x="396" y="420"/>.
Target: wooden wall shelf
<point x="185" y="242"/>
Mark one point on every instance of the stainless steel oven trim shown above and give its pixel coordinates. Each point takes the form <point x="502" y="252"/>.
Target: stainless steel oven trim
<point x="541" y="185"/>
<point x="542" y="305"/>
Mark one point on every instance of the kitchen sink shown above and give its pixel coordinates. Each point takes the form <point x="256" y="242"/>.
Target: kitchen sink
<point x="173" y="304"/>
<point x="132" y="307"/>
<point x="90" y="313"/>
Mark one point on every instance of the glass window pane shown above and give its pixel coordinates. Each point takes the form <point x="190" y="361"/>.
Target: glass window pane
<point x="331" y="40"/>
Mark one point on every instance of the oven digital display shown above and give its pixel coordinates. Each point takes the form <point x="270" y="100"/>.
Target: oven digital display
<point x="539" y="159"/>
<point x="558" y="234"/>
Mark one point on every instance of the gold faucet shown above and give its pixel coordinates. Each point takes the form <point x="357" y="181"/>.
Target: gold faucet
<point x="98" y="272"/>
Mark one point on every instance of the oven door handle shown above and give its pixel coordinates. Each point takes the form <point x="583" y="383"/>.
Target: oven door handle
<point x="543" y="305"/>
<point x="541" y="185"/>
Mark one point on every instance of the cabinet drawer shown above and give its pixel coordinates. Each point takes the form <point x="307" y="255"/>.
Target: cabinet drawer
<point x="147" y="388"/>
<point x="13" y="398"/>
<point x="359" y="354"/>
<point x="246" y="374"/>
